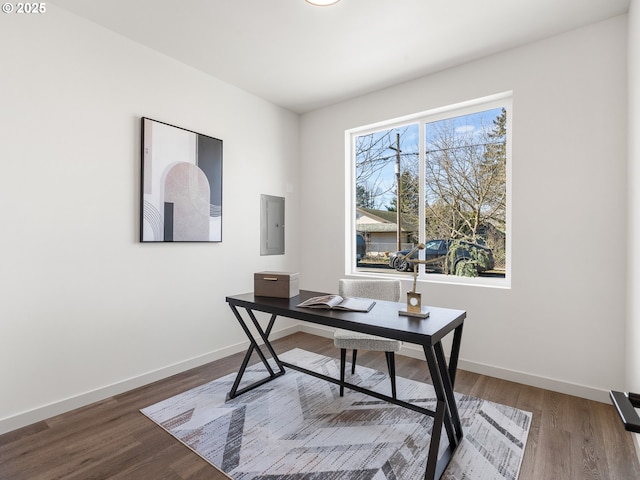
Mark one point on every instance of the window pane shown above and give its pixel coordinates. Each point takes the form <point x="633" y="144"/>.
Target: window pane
<point x="465" y="191"/>
<point x="384" y="160"/>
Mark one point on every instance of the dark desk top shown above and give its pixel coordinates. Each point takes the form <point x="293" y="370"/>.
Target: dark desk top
<point x="383" y="319"/>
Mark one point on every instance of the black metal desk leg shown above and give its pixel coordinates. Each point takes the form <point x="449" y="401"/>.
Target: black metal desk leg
<point x="455" y="353"/>
<point x="343" y="361"/>
<point x="447" y="383"/>
<point x="254" y="344"/>
<point x="443" y="416"/>
<point x="234" y="392"/>
<point x="265" y="336"/>
<point x="431" y="472"/>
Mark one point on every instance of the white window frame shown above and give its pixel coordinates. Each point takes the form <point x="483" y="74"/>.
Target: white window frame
<point x="485" y="103"/>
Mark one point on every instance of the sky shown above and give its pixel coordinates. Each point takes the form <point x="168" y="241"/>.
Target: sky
<point x="472" y="125"/>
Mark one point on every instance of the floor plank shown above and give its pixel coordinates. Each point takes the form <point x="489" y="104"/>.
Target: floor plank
<point x="570" y="437"/>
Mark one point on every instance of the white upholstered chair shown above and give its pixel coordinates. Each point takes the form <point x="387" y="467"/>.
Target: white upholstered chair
<point x="346" y="339"/>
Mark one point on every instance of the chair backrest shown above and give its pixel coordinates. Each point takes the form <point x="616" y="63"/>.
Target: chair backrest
<point x="376" y="289"/>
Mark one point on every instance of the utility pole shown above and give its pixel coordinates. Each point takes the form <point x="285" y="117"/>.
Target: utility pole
<point x="399" y="192"/>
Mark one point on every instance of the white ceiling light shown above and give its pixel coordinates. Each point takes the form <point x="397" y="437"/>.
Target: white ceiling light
<point x="322" y="3"/>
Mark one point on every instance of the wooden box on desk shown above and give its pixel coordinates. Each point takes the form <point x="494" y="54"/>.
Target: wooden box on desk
<point x="276" y="284"/>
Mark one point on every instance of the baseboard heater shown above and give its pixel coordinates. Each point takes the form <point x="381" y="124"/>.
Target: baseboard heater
<point x="626" y="404"/>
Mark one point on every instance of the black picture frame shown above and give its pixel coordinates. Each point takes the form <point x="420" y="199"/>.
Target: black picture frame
<point x="181" y="184"/>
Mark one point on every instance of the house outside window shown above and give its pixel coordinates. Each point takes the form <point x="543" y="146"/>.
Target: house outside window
<point x="439" y="179"/>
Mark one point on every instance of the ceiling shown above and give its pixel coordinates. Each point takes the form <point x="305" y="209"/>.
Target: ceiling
<point x="303" y="57"/>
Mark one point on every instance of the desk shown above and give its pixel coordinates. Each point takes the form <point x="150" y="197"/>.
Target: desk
<point x="382" y="320"/>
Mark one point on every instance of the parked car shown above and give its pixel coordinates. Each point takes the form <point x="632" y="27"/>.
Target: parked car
<point x="361" y="247"/>
<point x="436" y="253"/>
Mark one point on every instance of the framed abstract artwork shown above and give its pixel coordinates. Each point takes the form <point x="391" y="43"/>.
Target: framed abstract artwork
<point x="181" y="185"/>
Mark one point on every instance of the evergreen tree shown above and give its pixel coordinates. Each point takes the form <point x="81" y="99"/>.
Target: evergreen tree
<point x="364" y="198"/>
<point x="410" y="195"/>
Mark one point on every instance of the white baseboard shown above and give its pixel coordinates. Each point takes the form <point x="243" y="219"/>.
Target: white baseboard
<point x="23" y="419"/>
<point x="47" y="411"/>
<point x="414" y="351"/>
<point x="555" y="385"/>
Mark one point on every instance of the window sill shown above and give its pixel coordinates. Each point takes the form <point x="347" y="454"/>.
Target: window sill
<point x="481" y="281"/>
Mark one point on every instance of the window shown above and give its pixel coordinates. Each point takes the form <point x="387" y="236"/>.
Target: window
<point x="440" y="179"/>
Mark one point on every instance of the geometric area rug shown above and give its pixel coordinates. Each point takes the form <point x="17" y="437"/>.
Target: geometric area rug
<point x="298" y="427"/>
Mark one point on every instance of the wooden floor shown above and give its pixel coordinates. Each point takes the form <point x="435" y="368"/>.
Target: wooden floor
<point x="570" y="438"/>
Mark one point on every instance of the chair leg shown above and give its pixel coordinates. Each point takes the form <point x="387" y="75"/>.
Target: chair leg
<point x="391" y="364"/>
<point x="343" y="361"/>
<point x="353" y="362"/>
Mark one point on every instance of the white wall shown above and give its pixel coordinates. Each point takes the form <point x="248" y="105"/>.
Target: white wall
<point x="633" y="326"/>
<point x="86" y="310"/>
<point x="562" y="324"/>
<point x="633" y="339"/>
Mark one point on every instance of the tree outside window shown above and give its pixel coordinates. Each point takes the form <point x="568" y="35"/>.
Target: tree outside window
<point x="462" y="185"/>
